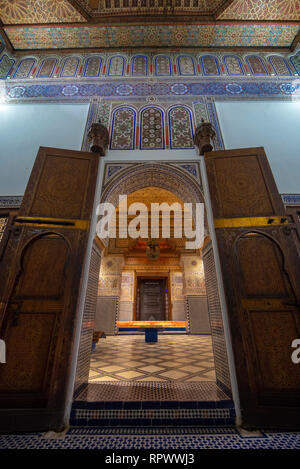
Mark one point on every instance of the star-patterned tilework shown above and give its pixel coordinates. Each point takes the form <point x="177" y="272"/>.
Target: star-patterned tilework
<point x="175" y="358"/>
<point x="262" y="10"/>
<point x="38" y="11"/>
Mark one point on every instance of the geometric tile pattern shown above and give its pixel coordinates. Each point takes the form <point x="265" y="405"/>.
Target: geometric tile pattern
<point x="88" y="322"/>
<point x="262" y="10"/>
<point x="212" y="87"/>
<point x="216" y="320"/>
<point x="195" y="35"/>
<point x="198" y="414"/>
<point x="183" y="358"/>
<point x="177" y="65"/>
<point x="38" y="11"/>
<point x="209" y="439"/>
<point x="158" y="392"/>
<point x="180" y="124"/>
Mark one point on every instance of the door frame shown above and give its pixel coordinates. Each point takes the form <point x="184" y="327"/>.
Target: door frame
<point x="152" y="275"/>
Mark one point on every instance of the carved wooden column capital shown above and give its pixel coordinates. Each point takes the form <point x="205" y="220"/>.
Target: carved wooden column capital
<point x="98" y="136"/>
<point x="203" y="137"/>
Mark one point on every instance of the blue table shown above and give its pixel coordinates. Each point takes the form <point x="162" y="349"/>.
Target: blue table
<point x="150" y="334"/>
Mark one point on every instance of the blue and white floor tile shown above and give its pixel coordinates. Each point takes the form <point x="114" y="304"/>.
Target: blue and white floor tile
<point x="88" y="438"/>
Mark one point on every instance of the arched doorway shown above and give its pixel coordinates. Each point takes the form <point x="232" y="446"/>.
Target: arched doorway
<point x="135" y="180"/>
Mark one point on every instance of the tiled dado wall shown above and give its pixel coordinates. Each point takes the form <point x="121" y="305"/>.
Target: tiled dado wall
<point x="160" y="64"/>
<point x="88" y="321"/>
<point x="216" y="321"/>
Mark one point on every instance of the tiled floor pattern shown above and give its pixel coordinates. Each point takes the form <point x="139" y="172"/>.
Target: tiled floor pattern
<point x="89" y="438"/>
<point x="176" y="358"/>
<point x="127" y="391"/>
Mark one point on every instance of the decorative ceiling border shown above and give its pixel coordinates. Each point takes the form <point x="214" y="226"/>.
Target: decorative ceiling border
<point x="14" y="201"/>
<point x="74" y="36"/>
<point x="77" y="90"/>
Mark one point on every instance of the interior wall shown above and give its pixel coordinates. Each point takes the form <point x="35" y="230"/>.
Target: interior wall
<point x="274" y="125"/>
<point x="26" y="127"/>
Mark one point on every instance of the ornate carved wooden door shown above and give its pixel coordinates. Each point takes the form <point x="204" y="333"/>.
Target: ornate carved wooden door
<point x="261" y="274"/>
<point x="40" y="274"/>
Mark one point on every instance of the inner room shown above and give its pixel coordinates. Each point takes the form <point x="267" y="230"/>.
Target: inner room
<point x="146" y="282"/>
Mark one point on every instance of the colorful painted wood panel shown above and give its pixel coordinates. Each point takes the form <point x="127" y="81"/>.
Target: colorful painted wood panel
<point x="92" y="66"/>
<point x="152" y="129"/>
<point x="140" y="65"/>
<point x="162" y="65"/>
<point x="256" y="65"/>
<point x="180" y="124"/>
<point x="6" y="65"/>
<point x="69" y="67"/>
<point x="233" y="65"/>
<point x="41" y="11"/>
<point x="210" y="65"/>
<point x="144" y="7"/>
<point x="47" y="68"/>
<point x="186" y="65"/>
<point x="123" y="129"/>
<point x="262" y="10"/>
<point x="24" y="68"/>
<point x="279" y="65"/>
<point x="296" y="62"/>
<point x="116" y="66"/>
<point x="202" y="35"/>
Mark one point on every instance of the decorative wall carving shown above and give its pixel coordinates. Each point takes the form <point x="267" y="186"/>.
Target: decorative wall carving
<point x="181" y="127"/>
<point x="152" y="128"/>
<point x="123" y="129"/>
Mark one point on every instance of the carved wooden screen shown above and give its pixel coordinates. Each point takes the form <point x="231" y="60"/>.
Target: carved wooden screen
<point x="261" y="274"/>
<point x="40" y="277"/>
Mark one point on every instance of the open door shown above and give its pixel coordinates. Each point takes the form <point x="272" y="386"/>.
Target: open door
<point x="40" y="276"/>
<point x="260" y="270"/>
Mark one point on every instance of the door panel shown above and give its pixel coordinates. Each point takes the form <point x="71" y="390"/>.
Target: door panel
<point x="40" y="277"/>
<point x="261" y="271"/>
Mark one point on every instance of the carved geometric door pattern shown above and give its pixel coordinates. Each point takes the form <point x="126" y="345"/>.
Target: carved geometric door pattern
<point x="260" y="270"/>
<point x="40" y="275"/>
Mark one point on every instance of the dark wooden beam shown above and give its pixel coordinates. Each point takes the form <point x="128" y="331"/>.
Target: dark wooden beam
<point x="78" y="7"/>
<point x="153" y="21"/>
<point x="21" y="52"/>
<point x="221" y="8"/>
<point x="295" y="42"/>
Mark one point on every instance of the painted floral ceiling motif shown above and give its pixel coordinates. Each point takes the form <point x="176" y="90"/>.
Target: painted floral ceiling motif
<point x="152" y="36"/>
<point x="38" y="11"/>
<point x="65" y="24"/>
<point x="262" y="10"/>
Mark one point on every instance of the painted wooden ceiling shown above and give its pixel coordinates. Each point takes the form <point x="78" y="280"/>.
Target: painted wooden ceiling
<point x="86" y="24"/>
<point x="133" y="247"/>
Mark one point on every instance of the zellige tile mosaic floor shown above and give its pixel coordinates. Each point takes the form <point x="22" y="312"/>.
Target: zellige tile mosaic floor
<point x="118" y="439"/>
<point x="175" y="358"/>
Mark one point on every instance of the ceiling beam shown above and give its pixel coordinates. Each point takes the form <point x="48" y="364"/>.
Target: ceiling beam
<point x="20" y="52"/>
<point x="221" y="8"/>
<point x="153" y="21"/>
<point x="80" y="9"/>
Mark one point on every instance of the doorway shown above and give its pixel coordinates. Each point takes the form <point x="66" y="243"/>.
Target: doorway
<point x="133" y="288"/>
<point x="151" y="299"/>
